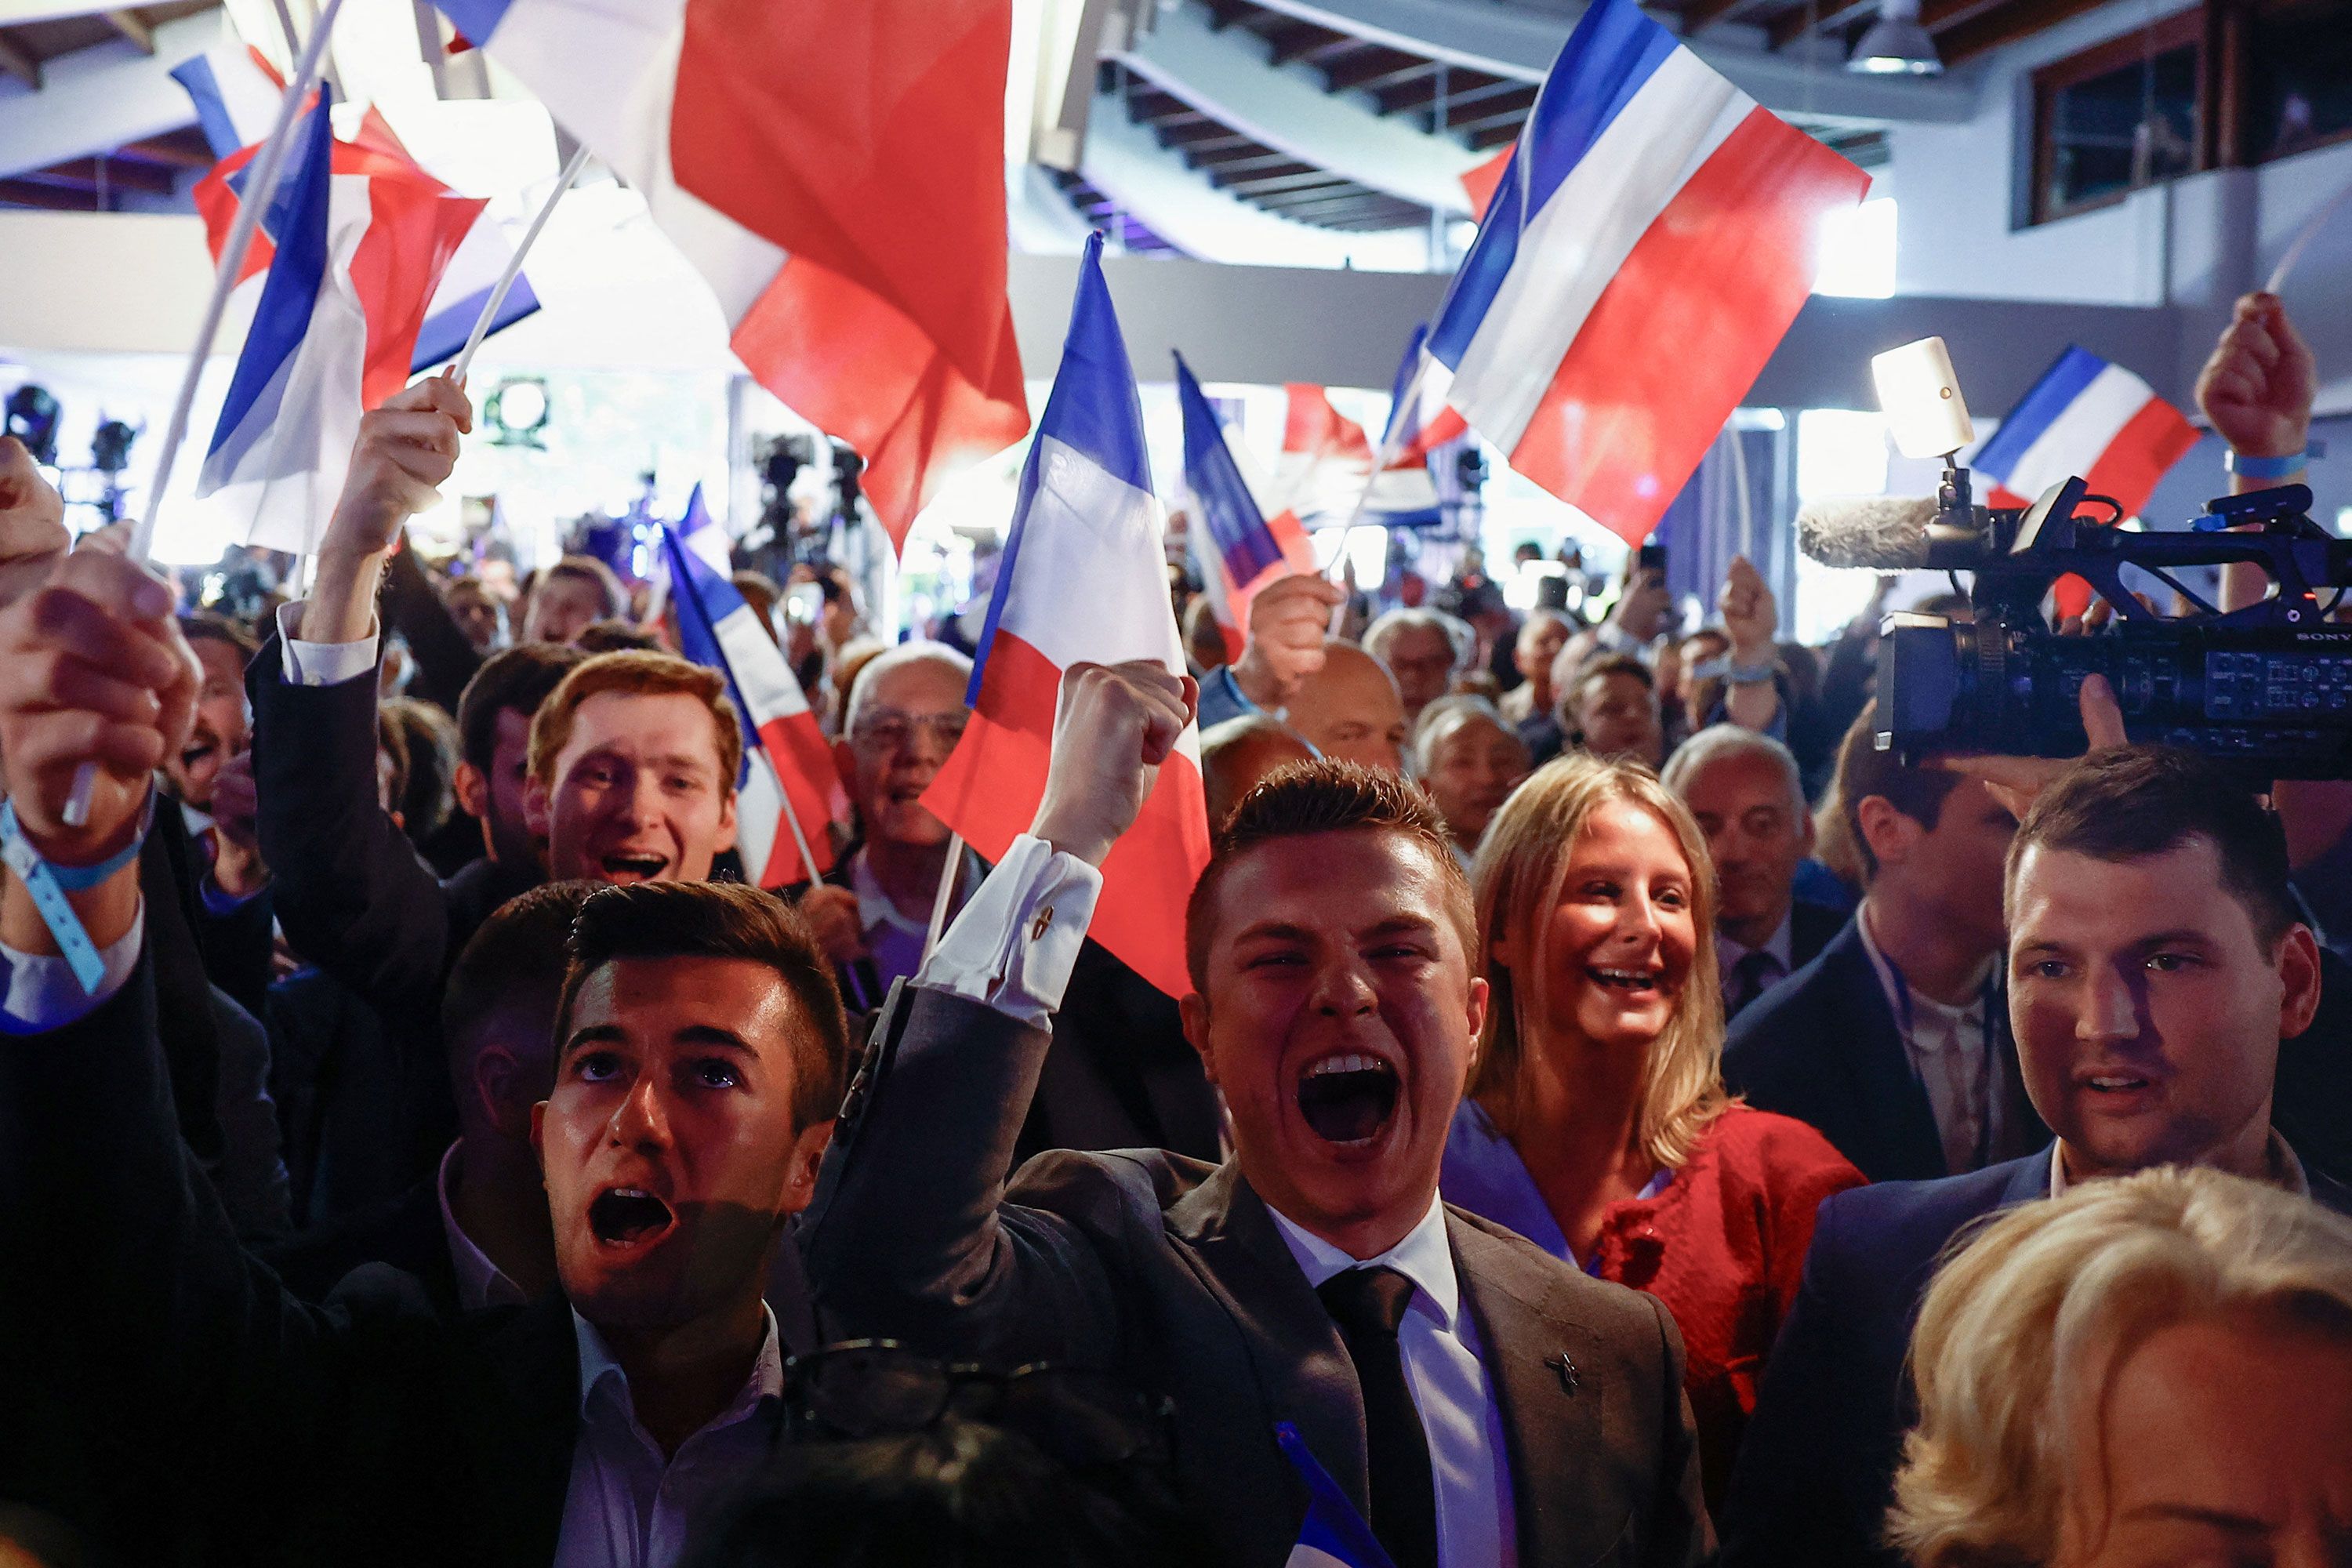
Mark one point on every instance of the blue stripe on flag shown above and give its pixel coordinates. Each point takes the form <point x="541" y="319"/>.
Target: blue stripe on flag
<point x="196" y="74"/>
<point x="297" y="273"/>
<point x="1332" y="1525"/>
<point x="1393" y="434"/>
<point x="444" y="334"/>
<point x="2037" y="410"/>
<point x="704" y="599"/>
<point x="1222" y="497"/>
<point x="477" y="19"/>
<point x="1094" y="410"/>
<point x="1615" y="50"/>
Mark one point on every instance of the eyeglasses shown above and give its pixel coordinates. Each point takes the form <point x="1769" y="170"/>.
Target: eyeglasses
<point x="883" y="730"/>
<point x="871" y="1388"/>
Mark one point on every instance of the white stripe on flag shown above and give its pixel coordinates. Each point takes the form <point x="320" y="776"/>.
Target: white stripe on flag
<point x="1573" y="248"/>
<point x="761" y="674"/>
<point x="1083" y="589"/>
<point x="617" y="97"/>
<point x="760" y="819"/>
<point x="2083" y="430"/>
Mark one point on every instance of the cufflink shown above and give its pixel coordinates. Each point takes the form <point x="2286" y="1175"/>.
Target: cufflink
<point x="1558" y="1361"/>
<point x="1037" y="927"/>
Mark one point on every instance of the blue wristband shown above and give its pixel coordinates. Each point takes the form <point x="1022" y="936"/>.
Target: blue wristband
<point x="2250" y="468"/>
<point x="48" y="885"/>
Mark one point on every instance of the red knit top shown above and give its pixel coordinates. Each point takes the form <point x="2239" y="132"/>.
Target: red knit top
<point x="1722" y="1244"/>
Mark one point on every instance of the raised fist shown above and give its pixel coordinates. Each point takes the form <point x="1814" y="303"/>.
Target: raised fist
<point x="2259" y="385"/>
<point x="1287" y="620"/>
<point x="1114" y="726"/>
<point x="406" y="448"/>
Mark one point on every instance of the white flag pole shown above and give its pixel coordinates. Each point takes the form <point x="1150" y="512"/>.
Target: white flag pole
<point x="945" y="896"/>
<point x="579" y="160"/>
<point x="2294" y="250"/>
<point x="260" y="190"/>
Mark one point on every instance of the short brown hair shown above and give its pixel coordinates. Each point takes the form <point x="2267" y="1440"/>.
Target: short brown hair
<point x="2129" y="803"/>
<point x="512" y="681"/>
<point x="204" y="626"/>
<point x="1325" y="795"/>
<point x="515" y="961"/>
<point x="637" y="674"/>
<point x="588" y="569"/>
<point x="721" y="920"/>
<point x="426" y="785"/>
<point x="612" y="636"/>
<point x="1918" y="792"/>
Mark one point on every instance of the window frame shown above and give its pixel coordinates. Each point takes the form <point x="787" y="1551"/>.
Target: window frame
<point x="2183" y="29"/>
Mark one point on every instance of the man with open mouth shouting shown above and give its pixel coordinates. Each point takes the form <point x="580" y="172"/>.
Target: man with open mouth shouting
<point x="700" y="1047"/>
<point x="1481" y="1402"/>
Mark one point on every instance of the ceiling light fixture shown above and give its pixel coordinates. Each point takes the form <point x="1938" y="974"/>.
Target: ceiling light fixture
<point x="1896" y="45"/>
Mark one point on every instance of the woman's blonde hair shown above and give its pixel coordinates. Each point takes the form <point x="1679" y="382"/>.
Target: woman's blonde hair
<point x="1517" y="882"/>
<point x="2026" y="1323"/>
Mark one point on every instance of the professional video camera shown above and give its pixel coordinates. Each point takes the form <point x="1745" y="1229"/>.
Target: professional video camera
<point x="2267" y="687"/>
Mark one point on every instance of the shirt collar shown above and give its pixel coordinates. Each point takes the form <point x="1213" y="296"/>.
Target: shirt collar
<point x="199" y="823"/>
<point x="2286" y="1168"/>
<point x="480" y="1282"/>
<point x="1780" y="944"/>
<point x="1424" y="1256"/>
<point x="874" y="905"/>
<point x="1901" y="999"/>
<point x="598" y="1368"/>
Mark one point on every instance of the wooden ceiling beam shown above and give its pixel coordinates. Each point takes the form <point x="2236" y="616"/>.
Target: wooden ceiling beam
<point x="133" y="26"/>
<point x="2005" y="24"/>
<point x="169" y="150"/>
<point x="51" y="198"/>
<point x="20" y="63"/>
<point x="1788" y="26"/>
<point x="118" y="174"/>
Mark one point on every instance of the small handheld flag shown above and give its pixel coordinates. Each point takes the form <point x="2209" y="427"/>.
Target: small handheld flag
<point x="1333" y="1534"/>
<point x="1084" y="578"/>
<point x="1239" y="547"/>
<point x="2089" y="418"/>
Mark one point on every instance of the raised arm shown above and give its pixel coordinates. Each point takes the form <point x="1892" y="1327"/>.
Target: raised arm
<point x="351" y="893"/>
<point x="911" y="1236"/>
<point x="127" y="1289"/>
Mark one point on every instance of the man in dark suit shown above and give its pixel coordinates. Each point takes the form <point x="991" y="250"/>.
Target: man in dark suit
<point x="2155" y="965"/>
<point x="1744" y="789"/>
<point x="701" y="1056"/>
<point x="1891" y="1042"/>
<point x="1477" y="1400"/>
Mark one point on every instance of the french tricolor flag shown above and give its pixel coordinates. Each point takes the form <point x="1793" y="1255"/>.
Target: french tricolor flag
<point x="1333" y="1534"/>
<point x="1652" y="240"/>
<point x="835" y="170"/>
<point x="1084" y="578"/>
<point x="2090" y="419"/>
<point x="784" y="797"/>
<point x="1237" y="545"/>
<point x="357" y="240"/>
<point x="1419" y="418"/>
<point x="236" y="91"/>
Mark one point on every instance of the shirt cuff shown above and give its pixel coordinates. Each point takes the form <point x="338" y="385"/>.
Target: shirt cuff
<point x="43" y="993"/>
<point x="1615" y="639"/>
<point x="1016" y="943"/>
<point x="321" y="663"/>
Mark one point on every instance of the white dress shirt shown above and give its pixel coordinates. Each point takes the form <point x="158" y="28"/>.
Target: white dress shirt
<point x="1014" y="947"/>
<point x="628" y="1505"/>
<point x="1952" y="1056"/>
<point x="480" y="1282"/>
<point x="1439" y="1345"/>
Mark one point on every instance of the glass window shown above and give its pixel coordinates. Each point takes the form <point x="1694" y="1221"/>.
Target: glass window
<point x="2117" y="116"/>
<point x="2298" y="78"/>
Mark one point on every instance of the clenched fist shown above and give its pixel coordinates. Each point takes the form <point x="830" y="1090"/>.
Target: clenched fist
<point x="2259" y="385"/>
<point x="1116" y="724"/>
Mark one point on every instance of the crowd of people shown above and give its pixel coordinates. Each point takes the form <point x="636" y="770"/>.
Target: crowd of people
<point x="1617" y="1113"/>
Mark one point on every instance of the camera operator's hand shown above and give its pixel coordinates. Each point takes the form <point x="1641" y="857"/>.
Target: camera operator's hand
<point x="1116" y="724"/>
<point x="406" y="448"/>
<point x="1641" y="610"/>
<point x="2259" y="385"/>
<point x="1287" y="622"/>
<point x="2016" y="781"/>
<point x="93" y="669"/>
<point x="32" y="522"/>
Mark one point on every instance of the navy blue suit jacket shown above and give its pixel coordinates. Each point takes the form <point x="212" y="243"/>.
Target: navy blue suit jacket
<point x="1816" y="1467"/>
<point x="1822" y="1046"/>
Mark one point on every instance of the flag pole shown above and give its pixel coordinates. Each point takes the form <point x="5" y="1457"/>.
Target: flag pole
<point x="465" y="360"/>
<point x="2278" y="284"/>
<point x="258" y="192"/>
<point x="940" y="899"/>
<point x="793" y="821"/>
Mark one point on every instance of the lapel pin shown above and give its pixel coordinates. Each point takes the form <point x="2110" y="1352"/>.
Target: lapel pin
<point x="1558" y="1361"/>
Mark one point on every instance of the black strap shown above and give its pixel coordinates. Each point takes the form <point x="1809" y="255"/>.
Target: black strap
<point x="1367" y="1304"/>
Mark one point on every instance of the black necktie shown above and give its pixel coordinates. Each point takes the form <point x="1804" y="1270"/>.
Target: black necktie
<point x="1750" y="977"/>
<point x="1367" y="1304"/>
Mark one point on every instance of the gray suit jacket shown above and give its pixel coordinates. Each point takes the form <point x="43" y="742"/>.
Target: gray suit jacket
<point x="1171" y="1273"/>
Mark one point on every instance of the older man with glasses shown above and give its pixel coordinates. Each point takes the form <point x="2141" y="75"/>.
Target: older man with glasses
<point x="1120" y="1075"/>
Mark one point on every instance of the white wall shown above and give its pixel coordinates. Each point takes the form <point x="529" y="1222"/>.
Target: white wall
<point x="2195" y="245"/>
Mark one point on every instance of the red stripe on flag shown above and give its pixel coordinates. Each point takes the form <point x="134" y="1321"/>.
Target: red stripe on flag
<point x="803" y="761"/>
<point x="1481" y="181"/>
<point x="2151" y="442"/>
<point x="1312" y="425"/>
<point x="416" y="226"/>
<point x="865" y="137"/>
<point x="989" y="790"/>
<point x="1679" y="335"/>
<point x="2001" y="495"/>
